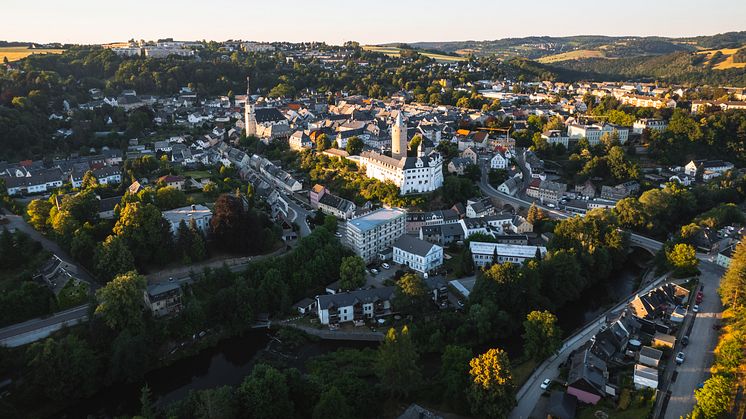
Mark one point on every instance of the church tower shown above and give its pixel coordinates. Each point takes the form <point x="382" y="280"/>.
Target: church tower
<point x="249" y="117"/>
<point x="399" y="138"/>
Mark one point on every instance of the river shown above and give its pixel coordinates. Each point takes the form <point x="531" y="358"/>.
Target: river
<point x="599" y="297"/>
<point x="227" y="363"/>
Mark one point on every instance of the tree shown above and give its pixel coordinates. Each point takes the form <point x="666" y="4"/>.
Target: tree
<point x="265" y="395"/>
<point x="683" y="259"/>
<point x="169" y="198"/>
<point x="535" y="214"/>
<point x="492" y="392"/>
<point x="467" y="262"/>
<point x="352" y="273"/>
<point x="228" y="222"/>
<point x="112" y="257"/>
<point x="354" y="145"/>
<point x="473" y="172"/>
<point x="89" y="180"/>
<point x="146" y="232"/>
<point x="715" y="398"/>
<point x="120" y="301"/>
<point x="69" y="363"/>
<point x="332" y="404"/>
<point x="146" y="405"/>
<point x="454" y="375"/>
<point x="38" y="212"/>
<point x="396" y="364"/>
<point x="542" y="335"/>
<point x="733" y="285"/>
<point x="412" y="294"/>
<point x="322" y="142"/>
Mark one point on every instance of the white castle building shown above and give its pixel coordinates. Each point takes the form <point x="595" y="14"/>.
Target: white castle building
<point x="412" y="175"/>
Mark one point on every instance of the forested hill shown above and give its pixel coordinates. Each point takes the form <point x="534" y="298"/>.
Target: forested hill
<point x="536" y="47"/>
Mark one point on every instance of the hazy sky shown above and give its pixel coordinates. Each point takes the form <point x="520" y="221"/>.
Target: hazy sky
<point x="336" y="21"/>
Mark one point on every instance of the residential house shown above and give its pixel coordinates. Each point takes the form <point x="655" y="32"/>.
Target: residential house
<point x="587" y="377"/>
<point x="163" y="299"/>
<point x="322" y="199"/>
<point x="199" y="213"/>
<point x="650" y="124"/>
<point x="645" y="376"/>
<point x="499" y="161"/>
<point x="594" y="132"/>
<point x="176" y="182"/>
<point x="417" y="254"/>
<point x="458" y="165"/>
<point x="726" y="256"/>
<point x="479" y="207"/>
<point x="442" y="234"/>
<point x="509" y="187"/>
<point x="713" y="168"/>
<point x="354" y="306"/>
<point x="556" y="137"/>
<point x="470" y="154"/>
<point x="650" y="357"/>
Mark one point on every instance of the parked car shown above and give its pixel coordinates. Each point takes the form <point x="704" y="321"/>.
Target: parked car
<point x="385" y="266"/>
<point x="685" y="340"/>
<point x="545" y="384"/>
<point x="374" y="271"/>
<point x="338" y="234"/>
<point x="695" y="308"/>
<point x="680" y="358"/>
<point x="550" y="205"/>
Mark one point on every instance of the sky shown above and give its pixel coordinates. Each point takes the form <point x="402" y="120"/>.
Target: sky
<point x="368" y="22"/>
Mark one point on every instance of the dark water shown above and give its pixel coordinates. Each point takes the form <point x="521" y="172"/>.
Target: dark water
<point x="228" y="363"/>
<point x="599" y="297"/>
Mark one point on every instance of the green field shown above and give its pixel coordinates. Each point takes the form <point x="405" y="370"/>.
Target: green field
<point x="18" y="53"/>
<point x="394" y="52"/>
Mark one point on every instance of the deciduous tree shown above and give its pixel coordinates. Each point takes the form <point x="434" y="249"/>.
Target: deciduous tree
<point x="492" y="392"/>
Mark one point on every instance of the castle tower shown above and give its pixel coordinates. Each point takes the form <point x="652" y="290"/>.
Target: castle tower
<point x="399" y="138"/>
<point x="421" y="149"/>
<point x="249" y="117"/>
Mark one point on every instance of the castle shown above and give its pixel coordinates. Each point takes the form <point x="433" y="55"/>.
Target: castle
<point x="420" y="174"/>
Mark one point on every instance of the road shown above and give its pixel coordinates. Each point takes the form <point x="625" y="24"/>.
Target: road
<point x="528" y="395"/>
<point x="297" y="214"/>
<point x="702" y="341"/>
<point x="33" y="330"/>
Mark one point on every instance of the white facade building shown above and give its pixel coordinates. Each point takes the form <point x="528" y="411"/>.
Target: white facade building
<point x="483" y="253"/>
<point x="354" y="306"/>
<point x="417" y="254"/>
<point x="412" y="175"/>
<point x="593" y="133"/>
<point x="199" y="213"/>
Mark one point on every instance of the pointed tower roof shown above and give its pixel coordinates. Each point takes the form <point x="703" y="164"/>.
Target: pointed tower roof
<point x="399" y="120"/>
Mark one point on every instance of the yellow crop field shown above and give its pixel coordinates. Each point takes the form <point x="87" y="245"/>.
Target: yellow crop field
<point x="17" y="53"/>
<point x="725" y="63"/>
<point x="571" y="55"/>
<point x="394" y="52"/>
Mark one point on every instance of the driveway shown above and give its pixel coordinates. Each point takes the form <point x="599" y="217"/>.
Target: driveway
<point x="702" y="341"/>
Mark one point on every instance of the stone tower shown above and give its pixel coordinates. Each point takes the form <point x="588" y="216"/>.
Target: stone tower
<point x="399" y="138"/>
<point x="249" y="117"/>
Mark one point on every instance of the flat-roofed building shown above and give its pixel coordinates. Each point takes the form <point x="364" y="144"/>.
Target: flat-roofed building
<point x="374" y="232"/>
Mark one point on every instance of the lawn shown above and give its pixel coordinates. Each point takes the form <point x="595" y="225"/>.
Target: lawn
<point x="571" y="55"/>
<point x="18" y="53"/>
<point x="197" y="174"/>
<point x="522" y="371"/>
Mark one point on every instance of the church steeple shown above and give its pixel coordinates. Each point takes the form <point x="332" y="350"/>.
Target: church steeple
<point x="249" y="117"/>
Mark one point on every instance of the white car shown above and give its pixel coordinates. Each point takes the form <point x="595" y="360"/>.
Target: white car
<point x="695" y="308"/>
<point x="551" y="205"/>
<point x="385" y="266"/>
<point x="374" y="271"/>
<point x="680" y="358"/>
<point x="545" y="384"/>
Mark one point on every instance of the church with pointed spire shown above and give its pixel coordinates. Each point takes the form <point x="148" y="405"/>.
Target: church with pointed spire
<point x="265" y="123"/>
<point x="418" y="174"/>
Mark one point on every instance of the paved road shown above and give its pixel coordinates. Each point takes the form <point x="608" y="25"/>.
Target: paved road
<point x="528" y="395"/>
<point x="702" y="341"/>
<point x="298" y="215"/>
<point x="17" y="222"/>
<point x="33" y="330"/>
